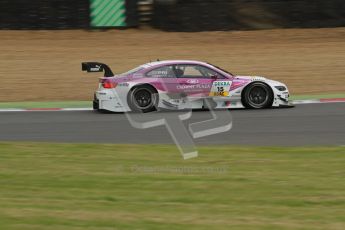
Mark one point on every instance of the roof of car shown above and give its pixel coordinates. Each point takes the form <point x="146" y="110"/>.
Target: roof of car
<point x="165" y="62"/>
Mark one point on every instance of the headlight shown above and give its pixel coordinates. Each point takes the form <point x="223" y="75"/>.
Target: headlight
<point x="280" y="88"/>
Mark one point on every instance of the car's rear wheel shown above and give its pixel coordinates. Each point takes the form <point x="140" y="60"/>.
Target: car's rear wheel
<point x="143" y="99"/>
<point x="95" y="103"/>
<point x="257" y="95"/>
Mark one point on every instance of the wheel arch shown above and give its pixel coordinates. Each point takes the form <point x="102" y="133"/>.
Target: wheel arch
<point x="142" y="85"/>
<point x="246" y="88"/>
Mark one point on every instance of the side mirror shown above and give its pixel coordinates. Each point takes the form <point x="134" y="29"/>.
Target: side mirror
<point x="214" y="77"/>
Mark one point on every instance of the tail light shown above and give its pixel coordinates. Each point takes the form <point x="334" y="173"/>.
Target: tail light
<point x="108" y="84"/>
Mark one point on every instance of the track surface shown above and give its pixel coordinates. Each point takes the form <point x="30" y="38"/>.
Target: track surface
<point x="312" y="124"/>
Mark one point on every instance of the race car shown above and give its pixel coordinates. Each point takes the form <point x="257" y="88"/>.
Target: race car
<point x="182" y="84"/>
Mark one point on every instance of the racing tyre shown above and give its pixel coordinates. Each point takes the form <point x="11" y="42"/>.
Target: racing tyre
<point x="95" y="103"/>
<point x="257" y="95"/>
<point x="143" y="99"/>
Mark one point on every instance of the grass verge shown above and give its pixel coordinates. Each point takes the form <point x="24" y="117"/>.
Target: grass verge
<point x="89" y="186"/>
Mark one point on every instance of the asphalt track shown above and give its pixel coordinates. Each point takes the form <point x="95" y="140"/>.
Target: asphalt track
<point x="309" y="124"/>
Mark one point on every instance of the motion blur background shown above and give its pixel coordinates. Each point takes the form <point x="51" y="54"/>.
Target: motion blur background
<point x="172" y="15"/>
<point x="43" y="41"/>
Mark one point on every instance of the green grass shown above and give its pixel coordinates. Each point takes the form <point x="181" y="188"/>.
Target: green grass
<point x="88" y="104"/>
<point x="89" y="186"/>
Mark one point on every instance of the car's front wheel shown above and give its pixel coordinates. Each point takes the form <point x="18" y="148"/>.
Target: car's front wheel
<point x="143" y="99"/>
<point x="257" y="95"/>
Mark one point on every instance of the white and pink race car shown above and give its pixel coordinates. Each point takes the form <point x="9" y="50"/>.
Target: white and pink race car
<point x="181" y="84"/>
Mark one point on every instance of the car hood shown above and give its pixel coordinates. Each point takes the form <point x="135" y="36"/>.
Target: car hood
<point x="251" y="78"/>
<point x="258" y="78"/>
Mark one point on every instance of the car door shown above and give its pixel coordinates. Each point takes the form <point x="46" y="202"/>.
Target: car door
<point x="199" y="81"/>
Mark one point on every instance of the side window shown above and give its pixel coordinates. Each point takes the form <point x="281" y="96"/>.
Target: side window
<point x="195" y="71"/>
<point x="187" y="71"/>
<point x="192" y="71"/>
<point x="209" y="73"/>
<point x="162" y="72"/>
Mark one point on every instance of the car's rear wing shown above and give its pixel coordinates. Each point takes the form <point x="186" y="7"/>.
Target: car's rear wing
<point x="92" y="67"/>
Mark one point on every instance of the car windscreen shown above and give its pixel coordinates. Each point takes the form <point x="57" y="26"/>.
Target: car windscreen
<point x="217" y="67"/>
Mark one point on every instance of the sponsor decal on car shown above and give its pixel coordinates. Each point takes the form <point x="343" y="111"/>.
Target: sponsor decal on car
<point x="192" y="81"/>
<point x="96" y="68"/>
<point x="222" y="83"/>
<point x="220" y="89"/>
<point x="159" y="72"/>
<point x="125" y="84"/>
<point x="177" y="101"/>
<point x="199" y="86"/>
